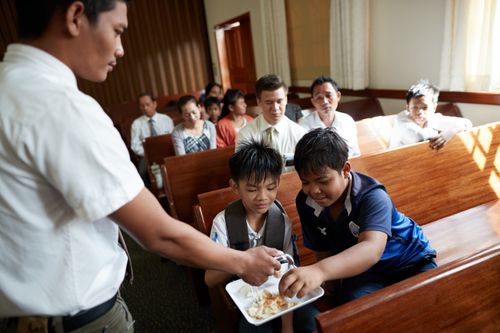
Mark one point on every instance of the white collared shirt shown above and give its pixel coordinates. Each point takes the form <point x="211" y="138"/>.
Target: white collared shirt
<point x="63" y="169"/>
<point x="286" y="133"/>
<point x="405" y="131"/>
<point x="141" y="130"/>
<point x="342" y="123"/>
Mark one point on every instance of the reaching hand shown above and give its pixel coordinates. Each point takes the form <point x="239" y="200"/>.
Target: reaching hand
<point x="300" y="281"/>
<point x="260" y="264"/>
<point x="442" y="138"/>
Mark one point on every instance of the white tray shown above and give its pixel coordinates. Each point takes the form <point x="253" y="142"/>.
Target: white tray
<point x="243" y="302"/>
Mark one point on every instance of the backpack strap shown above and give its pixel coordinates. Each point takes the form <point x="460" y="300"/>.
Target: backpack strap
<point x="236" y="225"/>
<point x="237" y="230"/>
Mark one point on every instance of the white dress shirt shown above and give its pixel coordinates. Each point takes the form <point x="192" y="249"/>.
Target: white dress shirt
<point x="141" y="130"/>
<point x="286" y="134"/>
<point x="342" y="123"/>
<point x="405" y="131"/>
<point x="63" y="169"/>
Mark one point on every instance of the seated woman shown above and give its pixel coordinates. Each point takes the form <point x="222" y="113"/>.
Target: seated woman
<point x="233" y="118"/>
<point x="193" y="134"/>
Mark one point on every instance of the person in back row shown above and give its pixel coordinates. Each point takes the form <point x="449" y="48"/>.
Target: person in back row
<point x="325" y="97"/>
<point x="193" y="134"/>
<point x="67" y="182"/>
<point x="349" y="220"/>
<point x="233" y="118"/>
<point x="151" y="123"/>
<point x="272" y="125"/>
<point x="257" y="219"/>
<point x="420" y="122"/>
<point x="213" y="109"/>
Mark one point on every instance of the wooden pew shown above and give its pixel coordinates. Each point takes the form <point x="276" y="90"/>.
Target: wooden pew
<point x="374" y="133"/>
<point x="156" y="148"/>
<point x="461" y="296"/>
<point x="361" y="108"/>
<point x="188" y="175"/>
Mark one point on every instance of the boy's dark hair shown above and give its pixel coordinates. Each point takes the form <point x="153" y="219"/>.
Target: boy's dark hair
<point x="147" y="93"/>
<point x="422" y="88"/>
<point x="270" y="82"/>
<point x="230" y="98"/>
<point x="33" y="16"/>
<point x="324" y="79"/>
<point x="209" y="101"/>
<point x="184" y="100"/>
<point x="255" y="160"/>
<point x="319" y="149"/>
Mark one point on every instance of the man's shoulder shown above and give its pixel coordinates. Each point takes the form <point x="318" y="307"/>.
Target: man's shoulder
<point x="163" y="116"/>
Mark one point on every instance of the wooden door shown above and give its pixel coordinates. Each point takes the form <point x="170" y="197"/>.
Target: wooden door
<point x="236" y="57"/>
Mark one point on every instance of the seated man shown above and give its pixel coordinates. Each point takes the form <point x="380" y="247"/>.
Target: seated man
<point x="325" y="97"/>
<point x="420" y="122"/>
<point x="151" y="123"/>
<point x="257" y="219"/>
<point x="272" y="125"/>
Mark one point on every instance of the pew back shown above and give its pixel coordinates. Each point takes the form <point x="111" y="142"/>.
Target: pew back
<point x="191" y="174"/>
<point x="361" y="108"/>
<point x="374" y="133"/>
<point x="427" y="185"/>
<point x="156" y="148"/>
<point x="462" y="296"/>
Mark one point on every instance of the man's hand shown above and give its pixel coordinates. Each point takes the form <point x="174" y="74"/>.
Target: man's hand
<point x="260" y="264"/>
<point x="300" y="281"/>
<point x="442" y="138"/>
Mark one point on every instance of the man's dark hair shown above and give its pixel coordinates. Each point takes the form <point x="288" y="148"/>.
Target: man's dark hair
<point x="270" y="82"/>
<point x="319" y="149"/>
<point x="209" y="101"/>
<point x="255" y="160"/>
<point x="184" y="100"/>
<point x="324" y="79"/>
<point x="422" y="88"/>
<point x="33" y="16"/>
<point x="230" y="98"/>
<point x="147" y="93"/>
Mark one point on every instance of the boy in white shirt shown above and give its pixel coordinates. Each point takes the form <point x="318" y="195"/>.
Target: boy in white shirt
<point x="420" y="122"/>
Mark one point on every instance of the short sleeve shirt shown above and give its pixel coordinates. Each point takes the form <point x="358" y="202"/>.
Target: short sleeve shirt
<point x="367" y="207"/>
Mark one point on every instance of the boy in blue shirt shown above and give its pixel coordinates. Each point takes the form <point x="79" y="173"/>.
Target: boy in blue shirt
<point x="257" y="219"/>
<point x="351" y="223"/>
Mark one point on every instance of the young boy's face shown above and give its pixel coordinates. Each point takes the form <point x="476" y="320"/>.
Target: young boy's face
<point x="326" y="187"/>
<point x="420" y="109"/>
<point x="256" y="197"/>
<point x="214" y="112"/>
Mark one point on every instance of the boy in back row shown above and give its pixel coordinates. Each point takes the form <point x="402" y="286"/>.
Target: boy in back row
<point x="256" y="219"/>
<point x="348" y="219"/>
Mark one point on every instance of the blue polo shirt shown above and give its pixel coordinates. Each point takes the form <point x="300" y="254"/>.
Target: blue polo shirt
<point x="367" y="207"/>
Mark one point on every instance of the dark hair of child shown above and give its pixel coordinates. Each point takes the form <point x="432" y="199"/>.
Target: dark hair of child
<point x="230" y="98"/>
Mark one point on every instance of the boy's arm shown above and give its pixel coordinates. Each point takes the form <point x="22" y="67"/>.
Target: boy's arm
<point x="287" y="322"/>
<point x="350" y="262"/>
<point x="214" y="277"/>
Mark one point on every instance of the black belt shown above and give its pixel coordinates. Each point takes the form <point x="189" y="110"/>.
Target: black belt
<point x="82" y="318"/>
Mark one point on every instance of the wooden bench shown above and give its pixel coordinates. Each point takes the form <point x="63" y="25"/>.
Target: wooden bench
<point x="156" y="148"/>
<point x="361" y="108"/>
<point x="188" y="175"/>
<point x="461" y="296"/>
<point x="374" y="133"/>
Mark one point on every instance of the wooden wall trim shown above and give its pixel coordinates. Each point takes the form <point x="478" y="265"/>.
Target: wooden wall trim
<point x="444" y="96"/>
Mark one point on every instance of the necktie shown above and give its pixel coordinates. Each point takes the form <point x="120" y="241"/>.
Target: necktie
<point x="270" y="137"/>
<point x="152" y="127"/>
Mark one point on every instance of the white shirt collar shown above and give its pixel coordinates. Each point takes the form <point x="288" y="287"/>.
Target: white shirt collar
<point x="27" y="55"/>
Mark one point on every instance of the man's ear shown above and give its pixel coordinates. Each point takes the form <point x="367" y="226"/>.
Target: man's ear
<point x="233" y="185"/>
<point x="75" y="18"/>
<point x="338" y="95"/>
<point x="346" y="169"/>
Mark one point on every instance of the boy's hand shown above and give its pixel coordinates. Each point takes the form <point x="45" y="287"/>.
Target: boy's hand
<point x="300" y="281"/>
<point x="442" y="138"/>
<point x="260" y="264"/>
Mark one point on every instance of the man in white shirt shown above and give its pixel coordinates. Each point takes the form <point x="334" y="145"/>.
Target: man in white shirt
<point x="325" y="97"/>
<point x="420" y="122"/>
<point x="272" y="125"/>
<point x="67" y="182"/>
<point x="151" y="123"/>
